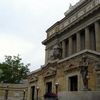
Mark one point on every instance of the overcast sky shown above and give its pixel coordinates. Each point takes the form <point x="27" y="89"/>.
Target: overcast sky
<point x="23" y="24"/>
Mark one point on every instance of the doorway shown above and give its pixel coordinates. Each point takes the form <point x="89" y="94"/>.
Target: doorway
<point x="33" y="92"/>
<point x="49" y="87"/>
<point x="73" y="83"/>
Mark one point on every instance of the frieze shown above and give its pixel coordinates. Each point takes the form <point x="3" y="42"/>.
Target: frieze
<point x="81" y="13"/>
<point x="66" y="23"/>
<point x="73" y="18"/>
<point x="61" y="26"/>
<point x="89" y="7"/>
<point x="78" y="14"/>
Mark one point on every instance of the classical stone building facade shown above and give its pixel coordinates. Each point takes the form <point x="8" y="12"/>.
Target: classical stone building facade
<point x="72" y="54"/>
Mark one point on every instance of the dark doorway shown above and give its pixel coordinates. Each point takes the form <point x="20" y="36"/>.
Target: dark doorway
<point x="33" y="92"/>
<point x="49" y="87"/>
<point x="73" y="81"/>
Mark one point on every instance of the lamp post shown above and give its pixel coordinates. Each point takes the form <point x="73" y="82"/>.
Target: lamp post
<point x="6" y="93"/>
<point x="24" y="95"/>
<point x="37" y="90"/>
<point x="56" y="84"/>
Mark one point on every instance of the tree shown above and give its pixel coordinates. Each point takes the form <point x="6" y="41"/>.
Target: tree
<point x="12" y="70"/>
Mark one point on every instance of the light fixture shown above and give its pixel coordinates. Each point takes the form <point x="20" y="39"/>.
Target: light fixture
<point x="56" y="84"/>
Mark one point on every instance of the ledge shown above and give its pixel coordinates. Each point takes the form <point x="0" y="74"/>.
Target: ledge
<point x="79" y="53"/>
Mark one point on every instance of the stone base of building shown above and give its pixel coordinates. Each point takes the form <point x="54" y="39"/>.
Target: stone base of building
<point x="81" y="95"/>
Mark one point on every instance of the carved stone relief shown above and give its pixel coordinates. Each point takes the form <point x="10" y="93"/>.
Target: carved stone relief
<point x="56" y="52"/>
<point x="80" y="13"/>
<point x="66" y="23"/>
<point x="73" y="18"/>
<point x="89" y="7"/>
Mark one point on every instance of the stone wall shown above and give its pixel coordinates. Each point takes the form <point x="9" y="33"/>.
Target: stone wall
<point x="81" y="95"/>
<point x="13" y="91"/>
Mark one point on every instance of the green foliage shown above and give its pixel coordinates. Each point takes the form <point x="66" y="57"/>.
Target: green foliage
<point x="12" y="70"/>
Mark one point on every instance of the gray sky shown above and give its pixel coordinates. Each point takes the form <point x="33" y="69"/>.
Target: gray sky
<point x="23" y="24"/>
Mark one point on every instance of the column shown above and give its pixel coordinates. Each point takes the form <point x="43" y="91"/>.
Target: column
<point x="63" y="49"/>
<point x="97" y="35"/>
<point x="78" y="41"/>
<point x="87" y="38"/>
<point x="70" y="46"/>
<point x="46" y="56"/>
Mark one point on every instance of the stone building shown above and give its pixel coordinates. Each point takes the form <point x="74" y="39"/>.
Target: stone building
<point x="13" y="91"/>
<point x="72" y="54"/>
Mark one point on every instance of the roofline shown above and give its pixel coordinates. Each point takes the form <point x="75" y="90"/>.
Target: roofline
<point x="35" y="71"/>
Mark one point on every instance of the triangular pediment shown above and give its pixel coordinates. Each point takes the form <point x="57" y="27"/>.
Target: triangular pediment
<point x="49" y="71"/>
<point x="33" y="78"/>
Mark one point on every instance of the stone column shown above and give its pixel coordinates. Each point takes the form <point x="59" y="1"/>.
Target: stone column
<point x="78" y="41"/>
<point x="63" y="49"/>
<point x="97" y="35"/>
<point x="46" y="56"/>
<point x="70" y="46"/>
<point x="87" y="38"/>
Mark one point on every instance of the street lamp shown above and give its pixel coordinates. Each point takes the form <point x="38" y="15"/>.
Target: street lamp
<point x="24" y="95"/>
<point x="6" y="93"/>
<point x="37" y="90"/>
<point x="56" y="84"/>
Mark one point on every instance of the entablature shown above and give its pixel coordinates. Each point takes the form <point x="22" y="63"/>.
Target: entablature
<point x="68" y="20"/>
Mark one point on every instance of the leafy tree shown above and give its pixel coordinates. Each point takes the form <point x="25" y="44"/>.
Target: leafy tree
<point x="12" y="70"/>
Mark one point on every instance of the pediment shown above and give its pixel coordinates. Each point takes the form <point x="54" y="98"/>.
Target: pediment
<point x="49" y="72"/>
<point x="33" y="78"/>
